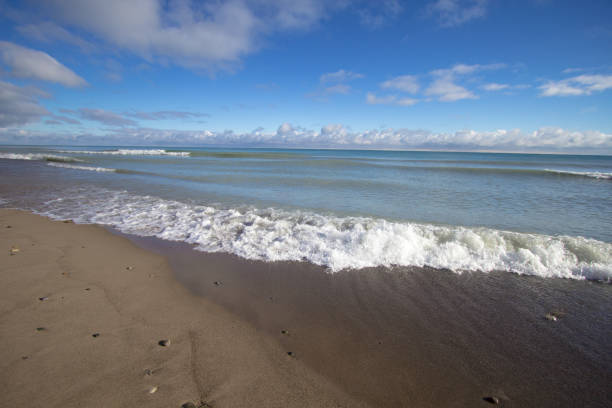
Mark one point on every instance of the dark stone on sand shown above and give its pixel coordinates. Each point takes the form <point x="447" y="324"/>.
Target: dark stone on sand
<point x="290" y="354"/>
<point x="40" y="329"/>
<point x="24" y="357"/>
<point x="95" y="335"/>
<point x="68" y="222"/>
<point x="42" y="299"/>
<point x="164" y="343"/>
<point x="129" y="268"/>
<point x="217" y="283"/>
<point x="148" y="371"/>
<point x="188" y="405"/>
<point x="285" y="332"/>
<point x="492" y="400"/>
<point x="8" y="226"/>
<point x="87" y="288"/>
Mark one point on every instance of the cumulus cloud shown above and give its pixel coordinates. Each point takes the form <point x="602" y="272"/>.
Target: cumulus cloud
<point x="444" y="86"/>
<point x="48" y="31"/>
<point x="372" y="99"/>
<point x="492" y="87"/>
<point x="452" y="13"/>
<point x="404" y="83"/>
<point x="19" y="105"/>
<point x="336" y="135"/>
<point x="28" y="63"/>
<point x="193" y="34"/>
<point x="578" y="85"/>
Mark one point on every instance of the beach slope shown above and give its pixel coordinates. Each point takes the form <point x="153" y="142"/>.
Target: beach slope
<point x="89" y="319"/>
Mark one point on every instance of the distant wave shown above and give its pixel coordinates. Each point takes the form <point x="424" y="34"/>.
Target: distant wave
<point x="75" y="167"/>
<point x="130" y="152"/>
<point x="244" y="155"/>
<point x="590" y="174"/>
<point x="38" y="156"/>
<point x="337" y="242"/>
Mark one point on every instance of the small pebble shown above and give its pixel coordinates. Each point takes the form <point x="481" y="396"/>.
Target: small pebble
<point x="148" y="371"/>
<point x="217" y="283"/>
<point x="290" y="353"/>
<point x="551" y="317"/>
<point x="164" y="343"/>
<point x="8" y="226"/>
<point x="95" y="335"/>
<point x="285" y="332"/>
<point x="68" y="222"/>
<point x="40" y="329"/>
<point x="24" y="357"/>
<point x="153" y="389"/>
<point x="188" y="405"/>
<point x="129" y="268"/>
<point x="87" y="288"/>
<point x="42" y="299"/>
<point x="14" y="250"/>
<point x="492" y="400"/>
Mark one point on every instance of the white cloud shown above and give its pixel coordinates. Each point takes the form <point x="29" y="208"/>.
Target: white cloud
<point x="447" y="91"/>
<point x="48" y="31"/>
<point x="372" y="99"/>
<point x="19" y="105"/>
<point x="493" y="87"/>
<point x="336" y="135"/>
<point x="340" y="76"/>
<point x="578" y="85"/>
<point x="200" y="35"/>
<point x="404" y="83"/>
<point x="376" y="14"/>
<point x="452" y="13"/>
<point x="444" y="86"/>
<point x="28" y="63"/>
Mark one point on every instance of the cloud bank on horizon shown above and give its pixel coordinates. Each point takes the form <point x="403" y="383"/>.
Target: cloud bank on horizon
<point x="149" y="72"/>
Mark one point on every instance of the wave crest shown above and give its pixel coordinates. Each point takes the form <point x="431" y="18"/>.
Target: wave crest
<point x="75" y="167"/>
<point x="130" y="152"/>
<point x="339" y="243"/>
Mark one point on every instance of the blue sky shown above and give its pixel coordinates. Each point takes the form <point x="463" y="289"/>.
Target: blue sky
<point x="515" y="75"/>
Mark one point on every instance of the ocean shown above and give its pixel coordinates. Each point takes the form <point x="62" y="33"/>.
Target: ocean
<point x="536" y="214"/>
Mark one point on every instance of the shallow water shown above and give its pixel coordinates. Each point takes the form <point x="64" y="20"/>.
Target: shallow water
<point x="546" y="215"/>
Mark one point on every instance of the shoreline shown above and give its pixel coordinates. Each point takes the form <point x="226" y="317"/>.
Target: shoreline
<point x="374" y="337"/>
<point x="93" y="282"/>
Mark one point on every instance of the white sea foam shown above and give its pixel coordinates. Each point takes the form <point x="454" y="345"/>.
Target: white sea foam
<point x="338" y="243"/>
<point x="73" y="166"/>
<point x="38" y="156"/>
<point x="590" y="174"/>
<point x="130" y="152"/>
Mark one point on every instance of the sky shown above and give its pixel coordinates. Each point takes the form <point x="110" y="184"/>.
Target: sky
<point x="493" y="75"/>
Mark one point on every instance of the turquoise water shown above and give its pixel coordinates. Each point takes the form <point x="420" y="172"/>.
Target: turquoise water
<point x="342" y="208"/>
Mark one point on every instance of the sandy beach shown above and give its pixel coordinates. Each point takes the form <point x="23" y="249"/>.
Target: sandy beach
<point x="82" y="315"/>
<point x="84" y="310"/>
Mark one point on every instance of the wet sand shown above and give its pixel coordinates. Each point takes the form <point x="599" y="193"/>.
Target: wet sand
<point x="419" y="337"/>
<point x="82" y="314"/>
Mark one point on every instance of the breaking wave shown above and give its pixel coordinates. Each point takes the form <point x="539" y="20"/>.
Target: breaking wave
<point x="590" y="174"/>
<point x="39" y="156"/>
<point x="72" y="166"/>
<point x="337" y="242"/>
<point x="130" y="152"/>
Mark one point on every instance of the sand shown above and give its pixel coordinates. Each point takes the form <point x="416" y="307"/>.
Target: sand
<point x="82" y="312"/>
<point x="379" y="337"/>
